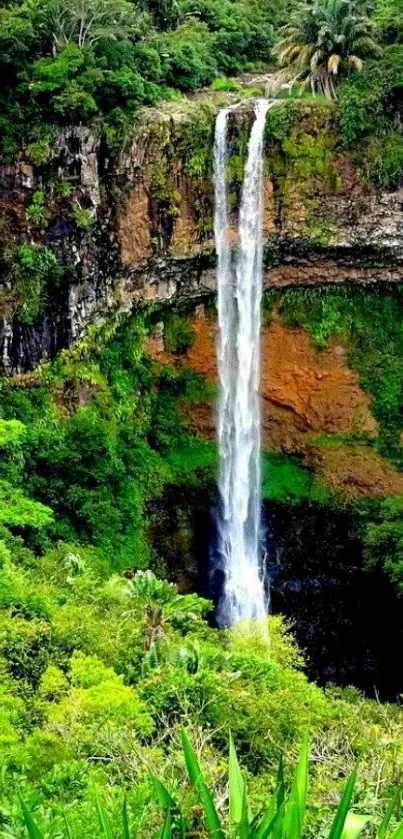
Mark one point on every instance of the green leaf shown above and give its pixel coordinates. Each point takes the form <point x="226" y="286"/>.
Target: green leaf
<point x="391" y="808"/>
<point x="238" y="798"/>
<point x="354" y="825"/>
<point x="166" y="830"/>
<point x="243" y="828"/>
<point x="398" y="834"/>
<point x="296" y="807"/>
<point x="165" y="799"/>
<point x="125" y="820"/>
<point x="339" y="820"/>
<point x="271" y="825"/>
<point x="103" y="819"/>
<point x="204" y="795"/>
<point x="30" y="822"/>
<point x="272" y="817"/>
<point x="67" y="826"/>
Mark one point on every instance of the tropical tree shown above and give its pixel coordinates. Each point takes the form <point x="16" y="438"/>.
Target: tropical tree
<point x="388" y="21"/>
<point x="84" y="22"/>
<point x="324" y="41"/>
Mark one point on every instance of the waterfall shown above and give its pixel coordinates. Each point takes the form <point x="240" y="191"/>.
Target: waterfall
<point x="239" y="299"/>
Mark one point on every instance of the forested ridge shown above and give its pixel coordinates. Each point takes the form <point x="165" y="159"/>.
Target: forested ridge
<point x="103" y="60"/>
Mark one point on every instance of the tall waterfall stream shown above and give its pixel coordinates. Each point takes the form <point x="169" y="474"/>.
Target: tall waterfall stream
<point x="239" y="281"/>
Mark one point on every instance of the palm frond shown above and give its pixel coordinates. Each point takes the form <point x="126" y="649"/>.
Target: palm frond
<point x="333" y="64"/>
<point x="355" y="63"/>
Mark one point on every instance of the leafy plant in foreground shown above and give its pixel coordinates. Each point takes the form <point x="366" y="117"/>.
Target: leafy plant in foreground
<point x="283" y="819"/>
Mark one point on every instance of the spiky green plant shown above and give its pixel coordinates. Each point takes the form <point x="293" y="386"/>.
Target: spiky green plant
<point x="283" y="819"/>
<point x="323" y="41"/>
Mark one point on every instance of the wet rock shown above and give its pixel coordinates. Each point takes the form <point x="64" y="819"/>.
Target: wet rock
<point x="150" y="236"/>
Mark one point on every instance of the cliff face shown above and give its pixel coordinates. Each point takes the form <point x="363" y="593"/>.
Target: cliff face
<point x="92" y="233"/>
<point x="313" y="405"/>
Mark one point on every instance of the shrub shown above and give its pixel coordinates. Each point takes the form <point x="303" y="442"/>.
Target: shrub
<point x="370" y="104"/>
<point x="383" y="160"/>
<point x="35" y="272"/>
<point x="226" y="84"/>
<point x="36" y="211"/>
<point x="188" y="54"/>
<point x="84" y="219"/>
<point x="38" y="152"/>
<point x="178" y="333"/>
<point x="388" y="21"/>
<point x="383" y="539"/>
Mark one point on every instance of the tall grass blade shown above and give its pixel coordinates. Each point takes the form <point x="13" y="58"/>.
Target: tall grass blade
<point x="271" y="825"/>
<point x="339" y="820"/>
<point x="164" y="797"/>
<point x="391" y="808"/>
<point x="205" y="797"/>
<point x="104" y="823"/>
<point x="295" y="811"/>
<point x="67" y="826"/>
<point x="238" y="798"/>
<point x="125" y="820"/>
<point x="30" y="823"/>
<point x="243" y="830"/>
<point x="166" y="830"/>
<point x="398" y="834"/>
<point x="354" y="825"/>
<point x="265" y="826"/>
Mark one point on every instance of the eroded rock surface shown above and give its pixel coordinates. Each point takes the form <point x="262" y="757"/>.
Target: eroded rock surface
<point x="138" y="227"/>
<point x="310" y="399"/>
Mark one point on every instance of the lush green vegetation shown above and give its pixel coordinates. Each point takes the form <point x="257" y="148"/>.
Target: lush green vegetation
<point x="351" y="51"/>
<point x="104" y="59"/>
<point x="284" y="817"/>
<point x="97" y="425"/>
<point x="371" y="102"/>
<point x="103" y="664"/>
<point x="100" y="673"/>
<point x="322" y="42"/>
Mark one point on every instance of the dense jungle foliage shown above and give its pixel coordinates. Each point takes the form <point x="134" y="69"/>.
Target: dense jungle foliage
<point x="103" y="663"/>
<point x="64" y="64"/>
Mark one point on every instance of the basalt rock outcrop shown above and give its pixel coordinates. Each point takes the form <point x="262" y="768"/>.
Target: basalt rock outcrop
<point x="136" y="227"/>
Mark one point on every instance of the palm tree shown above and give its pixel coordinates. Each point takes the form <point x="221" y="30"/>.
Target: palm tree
<point x="84" y="22"/>
<point x="323" y="41"/>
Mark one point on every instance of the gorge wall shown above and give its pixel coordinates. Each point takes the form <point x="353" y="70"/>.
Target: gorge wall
<point x="94" y="237"/>
<point x="87" y="232"/>
<point x="90" y="233"/>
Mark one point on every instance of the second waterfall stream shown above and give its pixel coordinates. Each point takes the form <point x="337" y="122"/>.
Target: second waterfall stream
<point x="239" y="281"/>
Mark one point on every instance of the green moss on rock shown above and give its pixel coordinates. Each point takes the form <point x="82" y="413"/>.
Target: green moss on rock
<point x="178" y="333"/>
<point x="301" y="160"/>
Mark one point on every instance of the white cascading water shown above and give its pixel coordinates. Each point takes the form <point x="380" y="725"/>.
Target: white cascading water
<point x="239" y="300"/>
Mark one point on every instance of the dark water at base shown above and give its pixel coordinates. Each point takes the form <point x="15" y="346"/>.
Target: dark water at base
<point x="348" y="620"/>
